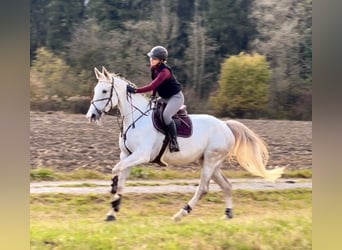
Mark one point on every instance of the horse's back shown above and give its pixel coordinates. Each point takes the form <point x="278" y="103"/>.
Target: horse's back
<point x="209" y="122"/>
<point x="211" y="127"/>
<point x="210" y="134"/>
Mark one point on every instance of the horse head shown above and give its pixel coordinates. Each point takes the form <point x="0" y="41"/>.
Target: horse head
<point x="105" y="95"/>
<point x="110" y="92"/>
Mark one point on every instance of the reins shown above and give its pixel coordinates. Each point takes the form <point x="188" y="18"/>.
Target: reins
<point x="142" y="113"/>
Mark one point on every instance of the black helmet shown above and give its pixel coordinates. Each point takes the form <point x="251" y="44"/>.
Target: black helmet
<point x="158" y="52"/>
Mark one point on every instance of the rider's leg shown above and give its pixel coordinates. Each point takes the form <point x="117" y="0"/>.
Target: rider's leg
<point x="172" y="131"/>
<point x="172" y="107"/>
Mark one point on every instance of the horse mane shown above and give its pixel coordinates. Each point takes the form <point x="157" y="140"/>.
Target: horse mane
<point x="117" y="75"/>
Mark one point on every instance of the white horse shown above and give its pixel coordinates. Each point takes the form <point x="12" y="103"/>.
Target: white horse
<point x="211" y="142"/>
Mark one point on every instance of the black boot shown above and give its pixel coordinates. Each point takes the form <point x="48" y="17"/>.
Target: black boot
<point x="171" y="129"/>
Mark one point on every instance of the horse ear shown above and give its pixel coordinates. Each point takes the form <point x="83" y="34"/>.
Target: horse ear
<point x="97" y="73"/>
<point x="105" y="72"/>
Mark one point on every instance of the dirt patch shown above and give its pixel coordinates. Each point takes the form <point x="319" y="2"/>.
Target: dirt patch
<point x="67" y="142"/>
<point x="102" y="187"/>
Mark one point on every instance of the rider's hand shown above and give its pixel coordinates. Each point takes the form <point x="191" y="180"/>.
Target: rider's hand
<point x="131" y="89"/>
<point x="153" y="99"/>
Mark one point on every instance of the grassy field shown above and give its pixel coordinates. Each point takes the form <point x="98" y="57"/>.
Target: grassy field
<point x="148" y="173"/>
<point x="263" y="220"/>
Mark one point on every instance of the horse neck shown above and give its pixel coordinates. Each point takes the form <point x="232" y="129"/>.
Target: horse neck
<point x="131" y="107"/>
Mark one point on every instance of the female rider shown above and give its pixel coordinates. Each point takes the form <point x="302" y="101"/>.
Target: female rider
<point x="167" y="87"/>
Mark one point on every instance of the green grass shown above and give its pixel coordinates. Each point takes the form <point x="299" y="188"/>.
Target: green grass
<point x="49" y="174"/>
<point x="304" y="173"/>
<point x="146" y="173"/>
<point x="263" y="220"/>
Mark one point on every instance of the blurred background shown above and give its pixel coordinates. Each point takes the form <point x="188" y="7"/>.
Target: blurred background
<point x="234" y="58"/>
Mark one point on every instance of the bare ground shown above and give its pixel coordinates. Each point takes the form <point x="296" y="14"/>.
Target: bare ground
<point x="66" y="142"/>
<point x="161" y="186"/>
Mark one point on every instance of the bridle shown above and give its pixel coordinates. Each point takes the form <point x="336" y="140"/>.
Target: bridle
<point x="120" y="123"/>
<point x="109" y="100"/>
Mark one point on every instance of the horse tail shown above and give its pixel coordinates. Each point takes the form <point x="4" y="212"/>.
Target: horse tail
<point x="251" y="152"/>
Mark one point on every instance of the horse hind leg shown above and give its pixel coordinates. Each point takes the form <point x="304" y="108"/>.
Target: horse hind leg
<point x="226" y="187"/>
<point x="209" y="167"/>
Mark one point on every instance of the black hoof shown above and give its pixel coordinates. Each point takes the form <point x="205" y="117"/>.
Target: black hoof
<point x="229" y="213"/>
<point x="110" y="218"/>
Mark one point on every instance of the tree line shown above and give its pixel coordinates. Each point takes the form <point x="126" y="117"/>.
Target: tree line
<point x="70" y="38"/>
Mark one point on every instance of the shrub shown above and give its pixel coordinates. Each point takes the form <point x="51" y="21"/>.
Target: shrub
<point x="74" y="104"/>
<point x="77" y="104"/>
<point x="243" y="87"/>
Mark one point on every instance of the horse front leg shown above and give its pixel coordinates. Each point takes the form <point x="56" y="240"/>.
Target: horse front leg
<point x="120" y="173"/>
<point x="117" y="185"/>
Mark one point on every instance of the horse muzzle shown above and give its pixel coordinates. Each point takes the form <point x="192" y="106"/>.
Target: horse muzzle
<point x="93" y="117"/>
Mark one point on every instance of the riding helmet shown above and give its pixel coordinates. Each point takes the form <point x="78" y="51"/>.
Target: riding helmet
<point x="158" y="52"/>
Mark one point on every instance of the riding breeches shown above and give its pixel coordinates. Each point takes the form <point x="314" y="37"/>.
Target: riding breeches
<point x="173" y="104"/>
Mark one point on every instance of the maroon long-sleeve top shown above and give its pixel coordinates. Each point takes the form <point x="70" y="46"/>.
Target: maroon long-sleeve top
<point x="163" y="75"/>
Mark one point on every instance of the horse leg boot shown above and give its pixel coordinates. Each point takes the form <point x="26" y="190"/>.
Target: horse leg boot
<point x="172" y="130"/>
<point x="117" y="186"/>
<point x="116" y="202"/>
<point x="116" y="199"/>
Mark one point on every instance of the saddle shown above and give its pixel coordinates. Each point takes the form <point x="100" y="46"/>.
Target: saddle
<point x="182" y="120"/>
<point x="183" y="125"/>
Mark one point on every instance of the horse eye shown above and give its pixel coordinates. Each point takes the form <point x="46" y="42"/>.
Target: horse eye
<point x="104" y="91"/>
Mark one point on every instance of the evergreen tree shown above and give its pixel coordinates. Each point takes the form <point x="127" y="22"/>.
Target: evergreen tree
<point x="52" y="23"/>
<point x="229" y="25"/>
<point x="112" y="14"/>
<point x="285" y="38"/>
<point x="63" y="16"/>
<point x="38" y="26"/>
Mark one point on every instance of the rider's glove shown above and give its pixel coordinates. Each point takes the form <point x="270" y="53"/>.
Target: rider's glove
<point x="152" y="101"/>
<point x="131" y="89"/>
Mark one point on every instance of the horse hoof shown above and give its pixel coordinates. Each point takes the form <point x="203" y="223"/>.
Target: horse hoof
<point x="229" y="213"/>
<point x="110" y="218"/>
<point x="176" y="218"/>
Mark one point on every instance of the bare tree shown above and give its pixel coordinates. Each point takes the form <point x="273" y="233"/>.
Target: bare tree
<point x="281" y="35"/>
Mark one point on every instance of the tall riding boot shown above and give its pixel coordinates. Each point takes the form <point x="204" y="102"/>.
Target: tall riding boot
<point x="171" y="128"/>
